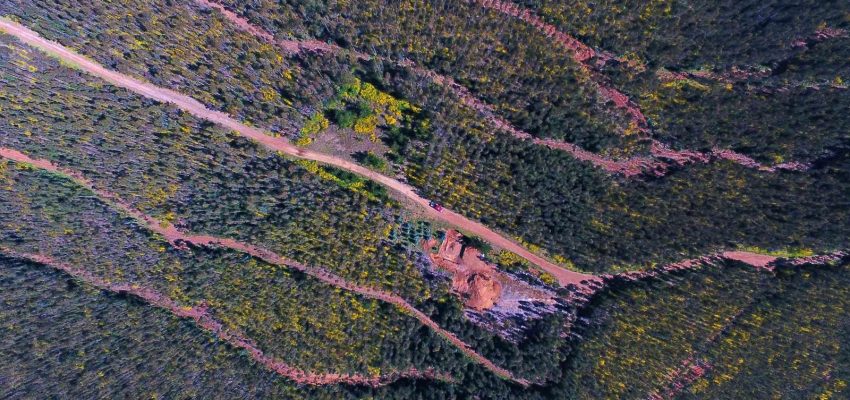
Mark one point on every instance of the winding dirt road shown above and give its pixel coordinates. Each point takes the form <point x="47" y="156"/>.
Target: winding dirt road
<point x="194" y="107"/>
<point x="657" y="164"/>
<point x="755" y="260"/>
<point x="208" y="323"/>
<point x="662" y="157"/>
<point x="178" y="239"/>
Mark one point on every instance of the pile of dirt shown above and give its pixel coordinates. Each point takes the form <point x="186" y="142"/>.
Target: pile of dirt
<point x="494" y="299"/>
<point x="481" y="291"/>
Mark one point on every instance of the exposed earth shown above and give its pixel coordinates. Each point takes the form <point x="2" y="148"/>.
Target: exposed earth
<point x="479" y="283"/>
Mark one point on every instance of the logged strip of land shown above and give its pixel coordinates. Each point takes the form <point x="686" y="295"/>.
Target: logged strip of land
<point x="179" y="239"/>
<point x="581" y="53"/>
<point x="693" y="367"/>
<point x="236" y="339"/>
<point x="662" y="157"/>
<point x="755" y="260"/>
<point x="290" y="46"/>
<point x="194" y="107"/>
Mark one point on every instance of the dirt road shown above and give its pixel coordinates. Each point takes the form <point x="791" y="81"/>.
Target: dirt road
<point x="657" y="164"/>
<point x="179" y="238"/>
<point x="207" y="322"/>
<point x="197" y="109"/>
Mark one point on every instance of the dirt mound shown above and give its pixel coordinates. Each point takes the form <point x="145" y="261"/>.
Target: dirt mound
<point x="473" y="279"/>
<point x="481" y="291"/>
<point x="478" y="283"/>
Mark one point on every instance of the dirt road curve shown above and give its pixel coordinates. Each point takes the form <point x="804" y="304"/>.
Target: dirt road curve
<point x="177" y="239"/>
<point x="197" y="109"/>
<point x="207" y="322"/>
<point x="662" y="156"/>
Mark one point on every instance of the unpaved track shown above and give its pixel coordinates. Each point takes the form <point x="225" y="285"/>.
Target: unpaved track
<point x="175" y="237"/>
<point x="755" y="260"/>
<point x="194" y="107"/>
<point x="657" y="164"/>
<point x="208" y="323"/>
<point x="579" y="52"/>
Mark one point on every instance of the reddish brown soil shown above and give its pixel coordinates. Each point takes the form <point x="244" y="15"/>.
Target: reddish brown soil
<point x="240" y="22"/>
<point x="204" y="320"/>
<point x="179" y="239"/>
<point x="662" y="157"/>
<point x="483" y="291"/>
<point x="473" y="279"/>
<point x="480" y="284"/>
<point x="756" y="260"/>
<point x="640" y="165"/>
<point x="580" y="52"/>
<point x="627" y="167"/>
<point x="688" y="372"/>
<point x="290" y="46"/>
<point x="821" y="259"/>
<point x="693" y="368"/>
<point x="449" y="250"/>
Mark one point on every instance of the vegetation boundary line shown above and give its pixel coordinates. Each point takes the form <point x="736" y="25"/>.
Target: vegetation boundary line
<point x="662" y="156"/>
<point x="579" y="51"/>
<point x="760" y="261"/>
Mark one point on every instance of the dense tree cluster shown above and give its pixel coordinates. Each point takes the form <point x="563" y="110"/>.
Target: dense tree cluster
<point x="686" y="34"/>
<point x="289" y="315"/>
<point x="548" y="198"/>
<point x="765" y="79"/>
<point x="778" y="81"/>
<point x="140" y="150"/>
<point x="794" y="340"/>
<point x="540" y="195"/>
<point x="62" y="338"/>
<point x="771" y="125"/>
<point x="506" y="63"/>
<point x="192" y="50"/>
<point x="292" y="316"/>
<point x="188" y="172"/>
<point x="751" y="333"/>
<point x="639" y="332"/>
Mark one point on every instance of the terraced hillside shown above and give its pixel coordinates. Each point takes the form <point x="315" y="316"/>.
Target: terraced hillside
<point x="453" y="199"/>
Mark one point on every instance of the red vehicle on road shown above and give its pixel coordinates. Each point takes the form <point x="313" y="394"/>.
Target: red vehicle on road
<point x="436" y="206"/>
